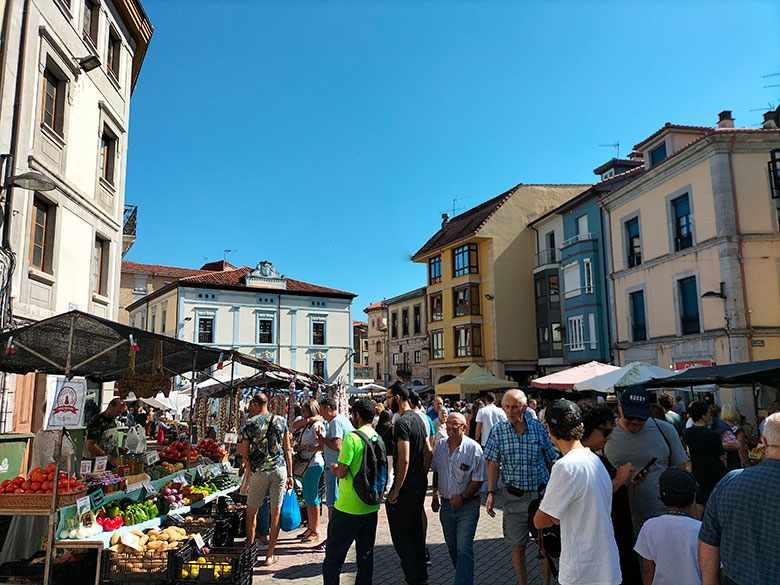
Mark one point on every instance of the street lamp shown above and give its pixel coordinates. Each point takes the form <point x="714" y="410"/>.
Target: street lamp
<point x="32" y="181"/>
<point x="721" y="294"/>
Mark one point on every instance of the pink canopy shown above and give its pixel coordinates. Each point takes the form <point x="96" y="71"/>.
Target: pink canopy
<point x="566" y="379"/>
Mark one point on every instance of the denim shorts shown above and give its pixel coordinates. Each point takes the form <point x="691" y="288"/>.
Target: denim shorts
<point x="311" y="485"/>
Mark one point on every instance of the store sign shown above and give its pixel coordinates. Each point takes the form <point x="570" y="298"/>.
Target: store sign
<point x="757" y="343"/>
<point x="85" y="468"/>
<point x="100" y="464"/>
<point x="685" y="364"/>
<point x="152" y="457"/>
<point x="68" y="407"/>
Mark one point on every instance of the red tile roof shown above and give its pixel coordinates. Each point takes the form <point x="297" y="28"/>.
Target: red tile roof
<point x="359" y="324"/>
<point x="669" y="126"/>
<point x="159" y="269"/>
<point x="218" y="265"/>
<point x="374" y="306"/>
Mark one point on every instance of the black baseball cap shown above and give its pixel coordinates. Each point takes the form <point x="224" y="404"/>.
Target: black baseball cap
<point x="636" y="403"/>
<point x="677" y="482"/>
<point x="563" y="415"/>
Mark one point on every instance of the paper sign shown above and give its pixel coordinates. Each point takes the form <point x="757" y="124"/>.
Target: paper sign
<point x="181" y="479"/>
<point x="85" y="467"/>
<point x="199" y="541"/>
<point x="152" y="457"/>
<point x="83" y="505"/>
<point x="97" y="499"/>
<point x="178" y="518"/>
<point x="231" y="438"/>
<point x="130" y="539"/>
<point x="67" y="409"/>
<point x="100" y="464"/>
<point x="150" y="489"/>
<point x="134" y="487"/>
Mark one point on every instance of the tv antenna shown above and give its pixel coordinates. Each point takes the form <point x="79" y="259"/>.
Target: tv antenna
<point x="615" y="145"/>
<point x="226" y="253"/>
<point x="455" y="209"/>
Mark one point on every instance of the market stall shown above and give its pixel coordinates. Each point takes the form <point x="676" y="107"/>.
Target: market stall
<point x="628" y="375"/>
<point x="566" y="379"/>
<point x="473" y="380"/>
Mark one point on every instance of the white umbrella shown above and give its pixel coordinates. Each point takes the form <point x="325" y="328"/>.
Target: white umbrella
<point x="633" y="373"/>
<point x="370" y="388"/>
<point x="159" y="402"/>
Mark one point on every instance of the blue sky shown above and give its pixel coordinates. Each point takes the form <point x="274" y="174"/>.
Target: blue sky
<point x="328" y="137"/>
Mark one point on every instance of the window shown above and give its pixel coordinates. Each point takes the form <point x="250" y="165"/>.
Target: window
<point x="107" y="155"/>
<point x="658" y="154"/>
<point x="633" y="243"/>
<point x="91" y="21"/>
<point x="588" y="269"/>
<point x="554" y="289"/>
<point x="539" y="284"/>
<point x="465" y="300"/>
<point x="265" y="330"/>
<point x="53" y="103"/>
<point x="406" y="358"/>
<point x="318" y="368"/>
<point x="100" y="266"/>
<point x="437" y="310"/>
<point x="434" y="270"/>
<point x="114" y="53"/>
<point x="206" y="329"/>
<point x="417" y="319"/>
<point x="395" y="359"/>
<point x="378" y="372"/>
<point x="543" y="337"/>
<point x="468" y="340"/>
<point x="582" y="225"/>
<point x="464" y="260"/>
<point x="689" y="305"/>
<point x="318" y="333"/>
<point x="682" y="223"/>
<point x="164" y="319"/>
<point x="556" y="336"/>
<point x="42" y="235"/>
<point x="548" y="255"/>
<point x="437" y="344"/>
<point x="154" y="320"/>
<point x="417" y="357"/>
<point x="405" y="322"/>
<point x="394" y="324"/>
<point x="575" y="334"/>
<point x="592" y="330"/>
<point x="550" y="240"/>
<point x="378" y="347"/>
<point x="637" y="308"/>
<point x="571" y="280"/>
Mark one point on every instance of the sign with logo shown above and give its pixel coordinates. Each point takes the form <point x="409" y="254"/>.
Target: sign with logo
<point x="152" y="457"/>
<point x="100" y="464"/>
<point x="757" y="342"/>
<point x="97" y="499"/>
<point x="685" y="364"/>
<point x="68" y="407"/>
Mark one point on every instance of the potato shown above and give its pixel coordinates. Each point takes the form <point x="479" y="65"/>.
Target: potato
<point x="143" y="540"/>
<point x="137" y="532"/>
<point x="164" y="536"/>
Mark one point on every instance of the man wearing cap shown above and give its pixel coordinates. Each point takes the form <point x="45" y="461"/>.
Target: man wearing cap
<point x="579" y="498"/>
<point x="741" y="526"/>
<point x="642" y="441"/>
<point x="458" y="473"/>
<point x="520" y="448"/>
<point x="96" y="444"/>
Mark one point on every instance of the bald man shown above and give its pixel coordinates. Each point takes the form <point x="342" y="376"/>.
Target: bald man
<point x="458" y="473"/>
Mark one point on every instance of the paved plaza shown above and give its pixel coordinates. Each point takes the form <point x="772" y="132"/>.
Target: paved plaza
<point x="297" y="565"/>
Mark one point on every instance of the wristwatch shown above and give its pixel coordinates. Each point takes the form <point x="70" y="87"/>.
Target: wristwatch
<point x="489" y="492"/>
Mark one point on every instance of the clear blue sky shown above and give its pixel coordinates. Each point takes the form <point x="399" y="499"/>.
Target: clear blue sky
<point x="328" y="137"/>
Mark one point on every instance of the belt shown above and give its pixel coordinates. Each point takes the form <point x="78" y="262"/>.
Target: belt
<point x="517" y="492"/>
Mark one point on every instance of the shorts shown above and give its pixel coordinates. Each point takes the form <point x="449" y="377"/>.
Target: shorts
<point x="266" y="483"/>
<point x="311" y="485"/>
<point x="516" y="517"/>
<point x="331" y="488"/>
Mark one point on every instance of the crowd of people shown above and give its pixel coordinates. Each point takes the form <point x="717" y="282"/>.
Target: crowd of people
<point x="635" y="490"/>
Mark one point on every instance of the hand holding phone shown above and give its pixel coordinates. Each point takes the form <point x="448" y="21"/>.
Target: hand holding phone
<point x="642" y="473"/>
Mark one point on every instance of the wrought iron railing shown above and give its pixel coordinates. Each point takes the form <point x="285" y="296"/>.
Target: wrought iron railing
<point x="130" y="220"/>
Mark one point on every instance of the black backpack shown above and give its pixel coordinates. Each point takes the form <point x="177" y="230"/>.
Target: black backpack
<point x="371" y="479"/>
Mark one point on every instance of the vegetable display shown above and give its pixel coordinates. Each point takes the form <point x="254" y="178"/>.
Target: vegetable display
<point x="211" y="449"/>
<point x="41" y="480"/>
<point x="179" y="451"/>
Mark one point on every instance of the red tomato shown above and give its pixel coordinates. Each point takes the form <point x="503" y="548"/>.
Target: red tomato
<point x="26" y="485"/>
<point x="18" y="491"/>
<point x="50" y="476"/>
<point x="50" y="468"/>
<point x="18" y="479"/>
<point x="6" y="483"/>
<point x="46" y="486"/>
<point x="35" y="486"/>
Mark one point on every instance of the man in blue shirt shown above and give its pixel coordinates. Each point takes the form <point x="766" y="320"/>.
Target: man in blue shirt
<point x="338" y="427"/>
<point x="741" y="525"/>
<point x="521" y="449"/>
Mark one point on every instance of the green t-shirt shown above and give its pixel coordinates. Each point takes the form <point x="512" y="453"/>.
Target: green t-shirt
<point x="351" y="455"/>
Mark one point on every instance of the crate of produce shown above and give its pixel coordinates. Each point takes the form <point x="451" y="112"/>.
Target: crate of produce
<point x="150" y="558"/>
<point x="219" y="566"/>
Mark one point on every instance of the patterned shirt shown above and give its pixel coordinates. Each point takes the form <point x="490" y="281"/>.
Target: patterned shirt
<point x="525" y="458"/>
<point x="742" y="519"/>
<point x="265" y="444"/>
<point x="97" y="427"/>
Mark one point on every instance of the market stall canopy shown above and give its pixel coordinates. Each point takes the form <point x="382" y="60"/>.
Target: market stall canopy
<point x="628" y="375"/>
<point x="566" y="379"/>
<point x="744" y="373"/>
<point x="366" y="388"/>
<point x="160" y="402"/>
<point x="473" y="380"/>
<point x="80" y="344"/>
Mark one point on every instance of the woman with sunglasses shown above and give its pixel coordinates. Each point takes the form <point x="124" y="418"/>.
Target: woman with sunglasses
<point x="599" y="421"/>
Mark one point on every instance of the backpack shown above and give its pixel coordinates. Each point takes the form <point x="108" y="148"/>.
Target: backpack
<point x="371" y="479"/>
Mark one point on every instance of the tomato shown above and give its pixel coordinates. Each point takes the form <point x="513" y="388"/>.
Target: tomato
<point x="26" y="485"/>
<point x="35" y="486"/>
<point x="50" y="476"/>
<point x="6" y="483"/>
<point x="50" y="468"/>
<point x="18" y="491"/>
<point x="18" y="480"/>
<point x="46" y="486"/>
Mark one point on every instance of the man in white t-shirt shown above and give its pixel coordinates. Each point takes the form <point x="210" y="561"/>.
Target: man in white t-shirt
<point x="487" y="417"/>
<point x="579" y="498"/>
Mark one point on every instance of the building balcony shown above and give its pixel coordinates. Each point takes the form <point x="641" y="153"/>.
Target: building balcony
<point x="577" y="238"/>
<point x="546" y="257"/>
<point x="129" y="225"/>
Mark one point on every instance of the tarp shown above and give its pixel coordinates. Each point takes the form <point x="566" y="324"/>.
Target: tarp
<point x="628" y="375"/>
<point x="740" y="374"/>
<point x="473" y="380"/>
<point x="160" y="402"/>
<point x="566" y="379"/>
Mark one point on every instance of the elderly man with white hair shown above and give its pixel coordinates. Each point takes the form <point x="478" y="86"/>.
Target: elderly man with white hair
<point x="741" y="526"/>
<point x="458" y="473"/>
<point x="521" y="449"/>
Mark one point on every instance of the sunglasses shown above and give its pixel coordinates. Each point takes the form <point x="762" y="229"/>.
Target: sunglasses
<point x="635" y="419"/>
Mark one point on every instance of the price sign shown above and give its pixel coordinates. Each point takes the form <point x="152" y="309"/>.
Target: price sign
<point x="152" y="457"/>
<point x="178" y="518"/>
<point x="199" y="541"/>
<point x="85" y="468"/>
<point x="150" y="489"/>
<point x="100" y="464"/>
<point x="134" y="486"/>
<point x="181" y="479"/>
<point x="231" y="438"/>
<point x="97" y="499"/>
<point x="83" y="506"/>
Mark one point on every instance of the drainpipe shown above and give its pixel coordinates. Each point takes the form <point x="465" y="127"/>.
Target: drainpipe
<point x="611" y="288"/>
<point x="607" y="269"/>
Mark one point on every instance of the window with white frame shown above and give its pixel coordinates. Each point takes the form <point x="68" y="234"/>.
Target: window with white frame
<point x="395" y="359"/>
<point x="582" y="225"/>
<point x="154" y="320"/>
<point x="575" y="334"/>
<point x="587" y="267"/>
<point x="418" y="356"/>
<point x="318" y="332"/>
<point x="571" y="280"/>
<point x="265" y="329"/>
<point x="592" y="330"/>
<point x="204" y="327"/>
<point x="318" y="368"/>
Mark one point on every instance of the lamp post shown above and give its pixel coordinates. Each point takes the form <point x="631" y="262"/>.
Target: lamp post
<point x="721" y="294"/>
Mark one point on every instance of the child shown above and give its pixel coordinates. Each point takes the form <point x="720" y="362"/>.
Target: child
<point x="668" y="544"/>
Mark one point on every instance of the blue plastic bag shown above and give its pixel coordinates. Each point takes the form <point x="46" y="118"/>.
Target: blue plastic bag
<point x="290" y="518"/>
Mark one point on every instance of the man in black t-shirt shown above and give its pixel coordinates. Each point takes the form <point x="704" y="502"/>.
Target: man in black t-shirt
<point x="407" y="496"/>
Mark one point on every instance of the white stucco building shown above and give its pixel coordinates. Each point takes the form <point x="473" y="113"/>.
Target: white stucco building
<point x="257" y="311"/>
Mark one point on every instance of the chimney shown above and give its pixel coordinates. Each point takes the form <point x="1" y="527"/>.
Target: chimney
<point x="444" y="219"/>
<point x="725" y="120"/>
<point x="770" y="120"/>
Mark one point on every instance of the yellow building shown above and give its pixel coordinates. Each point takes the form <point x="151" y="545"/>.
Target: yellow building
<point x="695" y="250"/>
<point x="480" y="288"/>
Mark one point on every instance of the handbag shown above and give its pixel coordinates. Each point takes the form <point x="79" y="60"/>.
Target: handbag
<point x="290" y="517"/>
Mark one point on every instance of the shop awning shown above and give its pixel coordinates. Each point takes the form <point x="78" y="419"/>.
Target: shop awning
<point x="566" y="379"/>
<point x="628" y="375"/>
<point x="473" y="380"/>
<point x="741" y="374"/>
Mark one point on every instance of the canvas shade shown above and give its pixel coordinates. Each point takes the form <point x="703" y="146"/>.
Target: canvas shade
<point x="628" y="375"/>
<point x="566" y="379"/>
<point x="473" y="380"/>
<point x="762" y="371"/>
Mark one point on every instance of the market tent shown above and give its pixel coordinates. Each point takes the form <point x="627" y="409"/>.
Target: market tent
<point x="160" y="402"/>
<point x="566" y="379"/>
<point x="473" y="380"/>
<point x="628" y="375"/>
<point x="80" y="344"/>
<point x="371" y="388"/>
<point x="740" y="374"/>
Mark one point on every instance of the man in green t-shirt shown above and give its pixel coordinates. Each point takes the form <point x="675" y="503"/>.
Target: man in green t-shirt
<point x="353" y="520"/>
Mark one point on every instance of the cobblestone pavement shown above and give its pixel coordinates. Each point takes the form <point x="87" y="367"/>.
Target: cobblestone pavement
<point x="298" y="565"/>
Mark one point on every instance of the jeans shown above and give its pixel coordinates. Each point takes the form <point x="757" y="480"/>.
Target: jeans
<point x="459" y="527"/>
<point x="331" y="487"/>
<point x="407" y="532"/>
<point x="343" y="530"/>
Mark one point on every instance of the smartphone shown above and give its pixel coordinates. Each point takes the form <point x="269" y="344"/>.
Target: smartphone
<point x="646" y="468"/>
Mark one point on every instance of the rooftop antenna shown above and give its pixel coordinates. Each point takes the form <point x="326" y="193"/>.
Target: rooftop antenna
<point x="615" y="145"/>
<point x="225" y="254"/>
<point x="455" y="209"/>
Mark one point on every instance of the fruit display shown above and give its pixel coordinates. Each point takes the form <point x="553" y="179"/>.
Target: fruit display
<point x="179" y="452"/>
<point x="211" y="449"/>
<point x="40" y="480"/>
<point x="171" y="496"/>
<point x="133" y="512"/>
<point x="108" y="523"/>
<point x="204" y="567"/>
<point x="163" y="468"/>
<point x="108" y="481"/>
<point x="75" y="530"/>
<point x="226" y="481"/>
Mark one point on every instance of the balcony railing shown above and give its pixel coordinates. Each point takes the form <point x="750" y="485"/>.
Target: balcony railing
<point x="548" y="256"/>
<point x="577" y="238"/>
<point x="129" y="226"/>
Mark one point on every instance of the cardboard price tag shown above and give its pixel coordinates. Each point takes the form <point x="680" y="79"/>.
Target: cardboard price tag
<point x="130" y="539"/>
<point x="152" y="457"/>
<point x="134" y="487"/>
<point x="97" y="499"/>
<point x="83" y="505"/>
<point x="100" y="464"/>
<point x="149" y="488"/>
<point x="85" y="468"/>
<point x="231" y="438"/>
<point x="199" y="542"/>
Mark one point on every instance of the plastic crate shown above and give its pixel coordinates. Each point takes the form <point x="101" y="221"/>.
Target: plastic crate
<point x="140" y="568"/>
<point x="223" y="566"/>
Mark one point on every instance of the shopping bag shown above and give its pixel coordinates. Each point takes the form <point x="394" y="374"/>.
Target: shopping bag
<point x="290" y="518"/>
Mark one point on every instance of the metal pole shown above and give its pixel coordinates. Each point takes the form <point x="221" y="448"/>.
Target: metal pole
<point x="47" y="574"/>
<point x="192" y="395"/>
